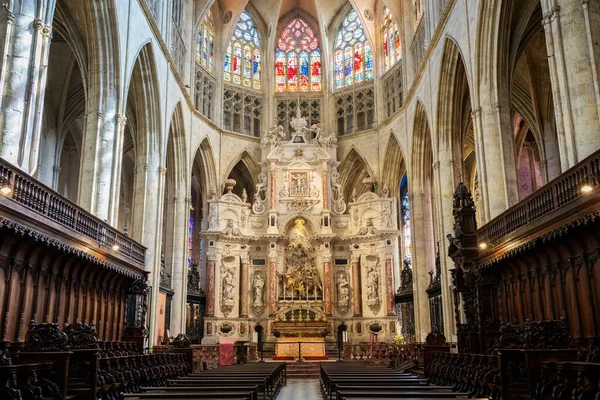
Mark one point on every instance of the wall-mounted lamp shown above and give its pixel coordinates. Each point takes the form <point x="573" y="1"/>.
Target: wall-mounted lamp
<point x="592" y="182"/>
<point x="483" y="245"/>
<point x="5" y="189"/>
<point x="115" y="247"/>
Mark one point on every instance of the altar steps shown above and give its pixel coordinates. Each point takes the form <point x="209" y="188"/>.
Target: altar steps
<point x="303" y="370"/>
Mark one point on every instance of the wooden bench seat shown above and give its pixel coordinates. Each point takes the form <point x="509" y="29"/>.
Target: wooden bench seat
<point x="177" y="392"/>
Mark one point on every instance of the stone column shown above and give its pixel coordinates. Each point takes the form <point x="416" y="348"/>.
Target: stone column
<point x="25" y="30"/>
<point x="571" y="45"/>
<point x="210" y="284"/>
<point x="445" y="177"/>
<point x="389" y="279"/>
<point x="422" y="261"/>
<point x="179" y="266"/>
<point x="496" y="166"/>
<point x="356" y="285"/>
<point x="273" y="283"/>
<point x="327" y="282"/>
<point x="244" y="286"/>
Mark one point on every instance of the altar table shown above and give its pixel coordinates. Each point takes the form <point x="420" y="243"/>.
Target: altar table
<point x="288" y="348"/>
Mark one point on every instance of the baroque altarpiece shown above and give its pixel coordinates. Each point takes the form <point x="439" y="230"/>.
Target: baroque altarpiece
<point x="298" y="259"/>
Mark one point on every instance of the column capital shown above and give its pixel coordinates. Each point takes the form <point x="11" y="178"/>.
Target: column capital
<point x="162" y="170"/>
<point x="38" y="24"/>
<point x="10" y="17"/>
<point x="476" y="112"/>
<point x="121" y="120"/>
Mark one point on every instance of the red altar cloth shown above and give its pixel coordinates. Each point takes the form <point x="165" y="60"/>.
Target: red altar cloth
<point x="226" y="352"/>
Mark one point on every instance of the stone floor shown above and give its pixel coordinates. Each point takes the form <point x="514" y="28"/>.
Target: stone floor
<point x="300" y="389"/>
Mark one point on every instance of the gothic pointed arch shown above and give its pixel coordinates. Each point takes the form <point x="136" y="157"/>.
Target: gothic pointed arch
<point x="244" y="169"/>
<point x="422" y="150"/>
<point x="394" y="164"/>
<point x="353" y="169"/>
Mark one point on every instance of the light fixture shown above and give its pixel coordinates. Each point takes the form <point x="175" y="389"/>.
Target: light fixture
<point x="586" y="188"/>
<point x="591" y="183"/>
<point x="115" y="247"/>
<point x="483" y="245"/>
<point x="5" y="190"/>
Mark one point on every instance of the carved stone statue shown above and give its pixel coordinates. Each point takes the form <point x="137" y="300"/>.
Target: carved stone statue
<point x="373" y="296"/>
<point x="343" y="292"/>
<point x="274" y="136"/>
<point x="368" y="229"/>
<point x="259" y="205"/>
<point x="231" y="230"/>
<point x="258" y="285"/>
<point x="338" y="203"/>
<point x="213" y="218"/>
<point x="300" y="278"/>
<point x="227" y="290"/>
<point x="386" y="217"/>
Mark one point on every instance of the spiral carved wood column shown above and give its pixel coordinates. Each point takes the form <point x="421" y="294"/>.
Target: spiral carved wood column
<point x="356" y="289"/>
<point x="272" y="284"/>
<point x="327" y="284"/>
<point x="210" y="286"/>
<point x="244" y="287"/>
<point x="389" y="287"/>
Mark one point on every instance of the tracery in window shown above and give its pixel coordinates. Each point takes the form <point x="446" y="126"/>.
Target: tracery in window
<point x="392" y="51"/>
<point x="243" y="58"/>
<point x="298" y="59"/>
<point x="205" y="43"/>
<point x="353" y="55"/>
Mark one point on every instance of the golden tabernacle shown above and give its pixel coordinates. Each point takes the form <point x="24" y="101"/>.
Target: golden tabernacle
<point x="311" y="348"/>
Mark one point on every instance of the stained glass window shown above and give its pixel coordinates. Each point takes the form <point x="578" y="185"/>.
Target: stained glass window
<point x="405" y="215"/>
<point x="298" y="59"/>
<point x="191" y="241"/>
<point x="205" y="45"/>
<point x="243" y="58"/>
<point x="392" y="51"/>
<point x="353" y="55"/>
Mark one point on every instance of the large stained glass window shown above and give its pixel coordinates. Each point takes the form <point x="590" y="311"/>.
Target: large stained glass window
<point x="243" y="58"/>
<point x="205" y="45"/>
<point x="353" y="55"/>
<point x="298" y="59"/>
<point x="392" y="51"/>
<point x="405" y="216"/>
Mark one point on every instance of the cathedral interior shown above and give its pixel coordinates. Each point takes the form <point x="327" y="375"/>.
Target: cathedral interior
<point x="410" y="188"/>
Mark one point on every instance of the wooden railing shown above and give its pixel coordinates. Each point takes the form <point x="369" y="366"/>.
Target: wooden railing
<point x="558" y="193"/>
<point x="30" y="193"/>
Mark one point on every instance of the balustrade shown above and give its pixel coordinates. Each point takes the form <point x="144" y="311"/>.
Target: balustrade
<point x="558" y="193"/>
<point x="26" y="191"/>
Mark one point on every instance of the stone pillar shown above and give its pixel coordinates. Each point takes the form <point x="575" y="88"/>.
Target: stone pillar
<point x="496" y="166"/>
<point x="422" y="261"/>
<point x="445" y="176"/>
<point x="389" y="279"/>
<point x="210" y="284"/>
<point x="244" y="286"/>
<point x="571" y="46"/>
<point x="327" y="282"/>
<point x="356" y="285"/>
<point x="179" y="266"/>
<point x="25" y="30"/>
<point x="273" y="282"/>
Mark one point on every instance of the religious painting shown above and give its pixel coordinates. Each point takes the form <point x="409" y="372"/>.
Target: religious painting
<point x="298" y="184"/>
